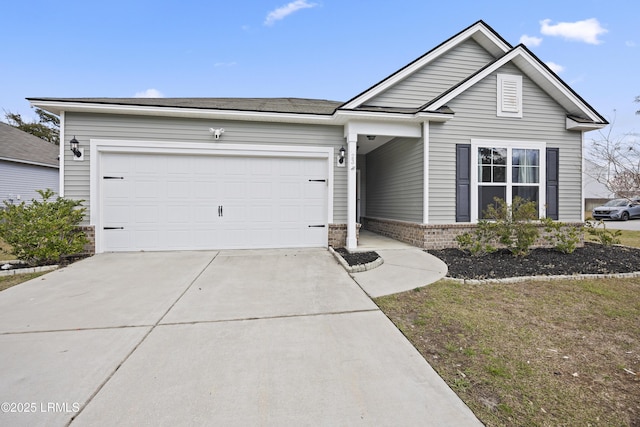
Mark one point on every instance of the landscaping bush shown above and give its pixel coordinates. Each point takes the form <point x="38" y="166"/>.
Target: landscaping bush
<point x="600" y="232"/>
<point x="481" y="241"/>
<point x="514" y="224"/>
<point x="44" y="231"/>
<point x="565" y="238"/>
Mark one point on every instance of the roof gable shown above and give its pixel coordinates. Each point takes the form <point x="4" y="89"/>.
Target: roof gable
<point x="538" y="72"/>
<point x="480" y="32"/>
<point x="435" y="77"/>
<point x="19" y="146"/>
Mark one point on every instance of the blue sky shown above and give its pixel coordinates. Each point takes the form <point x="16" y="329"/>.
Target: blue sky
<point x="326" y="49"/>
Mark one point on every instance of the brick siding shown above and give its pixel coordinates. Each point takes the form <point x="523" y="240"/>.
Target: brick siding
<point x="436" y="236"/>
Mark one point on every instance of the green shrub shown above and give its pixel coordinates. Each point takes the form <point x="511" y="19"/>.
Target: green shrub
<point x="44" y="231"/>
<point x="599" y="231"/>
<point x="514" y="224"/>
<point x="481" y="241"/>
<point x="565" y="238"/>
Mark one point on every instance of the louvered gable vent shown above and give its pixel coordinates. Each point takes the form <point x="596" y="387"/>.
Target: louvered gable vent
<point x="509" y="95"/>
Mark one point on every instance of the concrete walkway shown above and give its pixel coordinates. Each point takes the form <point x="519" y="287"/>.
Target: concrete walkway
<point x="233" y="338"/>
<point x="405" y="267"/>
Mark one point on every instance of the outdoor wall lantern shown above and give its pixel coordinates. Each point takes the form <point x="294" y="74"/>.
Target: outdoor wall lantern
<point x="74" y="147"/>
<point x="341" y="158"/>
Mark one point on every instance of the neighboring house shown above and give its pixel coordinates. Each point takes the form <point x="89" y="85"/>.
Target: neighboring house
<point x="27" y="164"/>
<point x="422" y="151"/>
<point x="594" y="191"/>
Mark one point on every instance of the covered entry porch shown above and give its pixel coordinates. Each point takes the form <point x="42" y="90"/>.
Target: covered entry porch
<point x="387" y="177"/>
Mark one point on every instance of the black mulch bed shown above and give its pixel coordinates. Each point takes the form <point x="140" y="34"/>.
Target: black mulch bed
<point x="592" y="259"/>
<point x="357" y="258"/>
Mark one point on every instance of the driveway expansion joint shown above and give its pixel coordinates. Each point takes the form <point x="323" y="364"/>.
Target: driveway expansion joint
<point x="284" y="316"/>
<point x="135" y="348"/>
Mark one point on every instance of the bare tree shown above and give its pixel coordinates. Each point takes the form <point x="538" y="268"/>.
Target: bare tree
<point x="617" y="161"/>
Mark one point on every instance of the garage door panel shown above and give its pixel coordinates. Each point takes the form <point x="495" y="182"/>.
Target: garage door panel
<point x="170" y="202"/>
<point x="178" y="214"/>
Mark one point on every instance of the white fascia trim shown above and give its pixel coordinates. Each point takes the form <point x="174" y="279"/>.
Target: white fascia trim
<point x="354" y="128"/>
<point x="344" y="116"/>
<point x="181" y="112"/>
<point x="518" y="52"/>
<point x="573" y="125"/>
<point x="26" y="162"/>
<point x="99" y="146"/>
<point x="340" y="117"/>
<point x="410" y="69"/>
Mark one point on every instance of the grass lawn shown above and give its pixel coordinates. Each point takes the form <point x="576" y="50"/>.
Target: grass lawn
<point x="630" y="238"/>
<point x="531" y="353"/>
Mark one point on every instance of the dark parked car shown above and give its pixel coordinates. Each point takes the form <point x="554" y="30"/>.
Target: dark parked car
<point x="619" y="209"/>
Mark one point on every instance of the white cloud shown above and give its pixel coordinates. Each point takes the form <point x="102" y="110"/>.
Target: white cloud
<point x="530" y="41"/>
<point x="630" y="43"/>
<point x="584" y="31"/>
<point x="286" y="10"/>
<point x="225" y="64"/>
<point x="556" y="68"/>
<point x="149" y="93"/>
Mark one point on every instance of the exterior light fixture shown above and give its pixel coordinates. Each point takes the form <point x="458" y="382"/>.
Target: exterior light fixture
<point x="74" y="147"/>
<point x="217" y="133"/>
<point x="371" y="137"/>
<point x="341" y="158"/>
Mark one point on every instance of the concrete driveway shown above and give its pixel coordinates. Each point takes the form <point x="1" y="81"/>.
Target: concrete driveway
<point x="272" y="337"/>
<point x="632" y="224"/>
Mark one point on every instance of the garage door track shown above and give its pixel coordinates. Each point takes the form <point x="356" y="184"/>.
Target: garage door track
<point x="268" y="337"/>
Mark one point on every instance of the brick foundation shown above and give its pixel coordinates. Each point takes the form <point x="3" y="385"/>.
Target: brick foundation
<point x="435" y="236"/>
<point x="338" y="235"/>
<point x="90" y="231"/>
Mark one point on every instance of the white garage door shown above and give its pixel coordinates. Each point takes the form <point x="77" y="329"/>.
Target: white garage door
<point x="172" y="202"/>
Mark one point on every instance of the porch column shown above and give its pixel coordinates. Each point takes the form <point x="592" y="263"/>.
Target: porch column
<point x="352" y="145"/>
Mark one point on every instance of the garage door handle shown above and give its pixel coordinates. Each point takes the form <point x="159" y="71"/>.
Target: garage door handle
<point x="317" y="180"/>
<point x="113" y="177"/>
<point x="113" y="228"/>
<point x="316" y="226"/>
<point x="220" y="212"/>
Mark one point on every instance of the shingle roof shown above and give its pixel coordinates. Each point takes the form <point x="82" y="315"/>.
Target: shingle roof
<point x="273" y="105"/>
<point x="24" y="147"/>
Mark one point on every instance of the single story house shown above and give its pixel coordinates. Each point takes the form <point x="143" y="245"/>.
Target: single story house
<point x="27" y="164"/>
<point x="415" y="156"/>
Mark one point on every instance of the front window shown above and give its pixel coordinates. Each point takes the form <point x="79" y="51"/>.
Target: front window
<point x="506" y="170"/>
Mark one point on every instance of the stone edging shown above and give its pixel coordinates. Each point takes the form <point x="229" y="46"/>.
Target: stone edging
<point x="27" y="270"/>
<point x="545" y="278"/>
<point x="356" y="268"/>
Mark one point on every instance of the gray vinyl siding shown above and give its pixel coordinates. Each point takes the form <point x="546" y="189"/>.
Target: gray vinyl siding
<point x="435" y="77"/>
<point x="395" y="180"/>
<point x="21" y="179"/>
<point x="475" y="117"/>
<point x="121" y="127"/>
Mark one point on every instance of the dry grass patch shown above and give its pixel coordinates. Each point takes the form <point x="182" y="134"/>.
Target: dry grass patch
<point x="5" y="250"/>
<point x="531" y="353"/>
<point x="630" y="238"/>
<point x="8" y="281"/>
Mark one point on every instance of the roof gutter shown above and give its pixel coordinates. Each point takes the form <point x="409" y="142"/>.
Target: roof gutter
<point x="339" y="116"/>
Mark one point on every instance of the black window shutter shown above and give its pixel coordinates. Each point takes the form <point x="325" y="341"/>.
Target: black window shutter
<point x="463" y="182"/>
<point x="552" y="183"/>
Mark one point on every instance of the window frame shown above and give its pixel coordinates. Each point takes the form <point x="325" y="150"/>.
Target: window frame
<point x="510" y="145"/>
